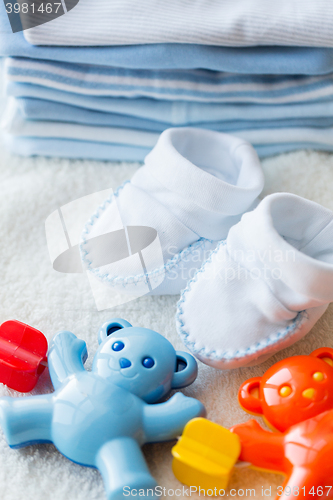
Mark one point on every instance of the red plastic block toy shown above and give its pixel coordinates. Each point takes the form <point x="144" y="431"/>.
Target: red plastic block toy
<point x="23" y="351"/>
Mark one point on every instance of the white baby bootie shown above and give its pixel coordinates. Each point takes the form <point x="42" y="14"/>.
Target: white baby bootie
<point x="157" y="229"/>
<point x="263" y="288"/>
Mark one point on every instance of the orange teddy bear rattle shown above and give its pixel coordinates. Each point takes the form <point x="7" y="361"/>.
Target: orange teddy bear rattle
<point x="295" y="397"/>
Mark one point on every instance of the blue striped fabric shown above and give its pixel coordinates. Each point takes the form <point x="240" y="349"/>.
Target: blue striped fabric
<point x="174" y="112"/>
<point x="188" y="85"/>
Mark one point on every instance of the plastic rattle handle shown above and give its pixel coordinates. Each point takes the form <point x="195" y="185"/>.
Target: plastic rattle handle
<point x="205" y="455"/>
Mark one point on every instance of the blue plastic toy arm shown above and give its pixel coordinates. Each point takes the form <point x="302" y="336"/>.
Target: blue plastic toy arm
<point x="166" y="421"/>
<point x="66" y="356"/>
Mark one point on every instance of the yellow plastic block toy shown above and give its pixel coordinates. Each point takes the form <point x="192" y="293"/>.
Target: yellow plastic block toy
<point x="205" y="455"/>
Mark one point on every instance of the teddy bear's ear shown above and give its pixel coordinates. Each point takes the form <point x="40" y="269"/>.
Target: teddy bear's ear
<point x="248" y="396"/>
<point x="186" y="370"/>
<point x="324" y="353"/>
<point x="111" y="326"/>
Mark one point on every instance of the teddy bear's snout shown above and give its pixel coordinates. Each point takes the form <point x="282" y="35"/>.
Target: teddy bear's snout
<point x="124" y="363"/>
<point x="309" y="393"/>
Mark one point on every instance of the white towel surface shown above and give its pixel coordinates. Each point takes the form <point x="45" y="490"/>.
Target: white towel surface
<point x="210" y="22"/>
<point x="31" y="291"/>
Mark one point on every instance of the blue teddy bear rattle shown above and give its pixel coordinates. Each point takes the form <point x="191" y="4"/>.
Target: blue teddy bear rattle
<point x="101" y="418"/>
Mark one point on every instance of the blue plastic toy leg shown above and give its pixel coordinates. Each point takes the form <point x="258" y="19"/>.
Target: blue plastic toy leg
<point x="123" y="468"/>
<point x="26" y="420"/>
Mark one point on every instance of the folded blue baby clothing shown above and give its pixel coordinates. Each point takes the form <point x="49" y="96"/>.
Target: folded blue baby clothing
<point x="39" y="109"/>
<point x="183" y="85"/>
<point x="76" y="140"/>
<point x="173" y="112"/>
<point x="17" y="125"/>
<point x="247" y="60"/>
<point x="97" y="93"/>
<point x="291" y="126"/>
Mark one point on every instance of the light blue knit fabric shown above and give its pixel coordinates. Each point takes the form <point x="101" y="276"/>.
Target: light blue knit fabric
<point x="30" y="146"/>
<point x="39" y="109"/>
<point x="174" y="112"/>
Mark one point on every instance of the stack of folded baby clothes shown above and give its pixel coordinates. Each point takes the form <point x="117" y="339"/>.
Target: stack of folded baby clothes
<point x="106" y="78"/>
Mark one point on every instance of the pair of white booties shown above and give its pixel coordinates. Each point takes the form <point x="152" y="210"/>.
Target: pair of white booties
<point x="255" y="276"/>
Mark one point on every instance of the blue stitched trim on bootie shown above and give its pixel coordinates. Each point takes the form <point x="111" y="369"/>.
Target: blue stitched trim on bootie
<point x="140" y="278"/>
